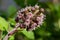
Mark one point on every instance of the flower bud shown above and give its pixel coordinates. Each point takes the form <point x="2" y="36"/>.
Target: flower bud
<point x="42" y="10"/>
<point x="36" y="6"/>
<point x="30" y="15"/>
<point x="17" y="19"/>
<point x="20" y="15"/>
<point x="27" y="22"/>
<point x="33" y="9"/>
<point x="32" y="27"/>
<point x="22" y="26"/>
<point x="38" y="18"/>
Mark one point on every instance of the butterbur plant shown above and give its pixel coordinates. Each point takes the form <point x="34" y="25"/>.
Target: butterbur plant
<point x="29" y="18"/>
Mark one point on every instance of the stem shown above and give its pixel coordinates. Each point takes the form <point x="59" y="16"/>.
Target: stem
<point x="11" y="32"/>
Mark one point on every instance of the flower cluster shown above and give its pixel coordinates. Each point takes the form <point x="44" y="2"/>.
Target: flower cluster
<point x="30" y="17"/>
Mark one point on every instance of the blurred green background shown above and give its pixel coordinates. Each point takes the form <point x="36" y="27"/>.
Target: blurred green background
<point x="50" y="30"/>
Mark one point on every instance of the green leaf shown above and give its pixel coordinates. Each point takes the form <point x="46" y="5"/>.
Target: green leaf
<point x="32" y="2"/>
<point x="12" y="21"/>
<point x="11" y="11"/>
<point x="44" y="33"/>
<point x="11" y="38"/>
<point x="20" y="2"/>
<point x="28" y="34"/>
<point x="51" y="6"/>
<point x="3" y="24"/>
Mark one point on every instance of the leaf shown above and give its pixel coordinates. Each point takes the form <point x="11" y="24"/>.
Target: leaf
<point x="11" y="38"/>
<point x="12" y="21"/>
<point x="44" y="33"/>
<point x="11" y="11"/>
<point x="28" y="34"/>
<point x="3" y="24"/>
<point x="20" y="2"/>
<point x="32" y="2"/>
<point x="57" y="8"/>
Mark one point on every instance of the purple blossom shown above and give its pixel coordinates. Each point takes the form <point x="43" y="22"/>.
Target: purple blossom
<point x="22" y="26"/>
<point x="32" y="27"/>
<point x="31" y="17"/>
<point x="27" y="22"/>
<point x="33" y="9"/>
<point x="36" y="6"/>
<point x="20" y="15"/>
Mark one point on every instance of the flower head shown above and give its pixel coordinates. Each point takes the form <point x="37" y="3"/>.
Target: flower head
<point x="31" y="17"/>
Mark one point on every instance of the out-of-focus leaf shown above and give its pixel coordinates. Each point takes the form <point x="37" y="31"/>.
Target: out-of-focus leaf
<point x="57" y="8"/>
<point x="11" y="38"/>
<point x="57" y="25"/>
<point x="44" y="33"/>
<point x="51" y="6"/>
<point x="28" y="34"/>
<point x="20" y="2"/>
<point x="12" y="21"/>
<point x="32" y="2"/>
<point x="11" y="11"/>
<point x="40" y="39"/>
<point x="3" y="24"/>
<point x="3" y="14"/>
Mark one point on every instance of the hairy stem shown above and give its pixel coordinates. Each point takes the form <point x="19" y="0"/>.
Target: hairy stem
<point x="11" y="32"/>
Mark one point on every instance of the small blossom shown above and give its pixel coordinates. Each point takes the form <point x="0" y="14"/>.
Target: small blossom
<point x="32" y="27"/>
<point x="42" y="15"/>
<point x="26" y="9"/>
<point x="40" y="22"/>
<point x="22" y="26"/>
<point x="30" y="15"/>
<point x="27" y="22"/>
<point x="36" y="6"/>
<point x="20" y="15"/>
<point x="33" y="9"/>
<point x="38" y="19"/>
<point x="42" y="10"/>
<point x="29" y="8"/>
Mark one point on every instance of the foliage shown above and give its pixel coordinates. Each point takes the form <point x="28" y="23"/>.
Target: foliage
<point x="50" y="30"/>
<point x="3" y="24"/>
<point x="28" y="34"/>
